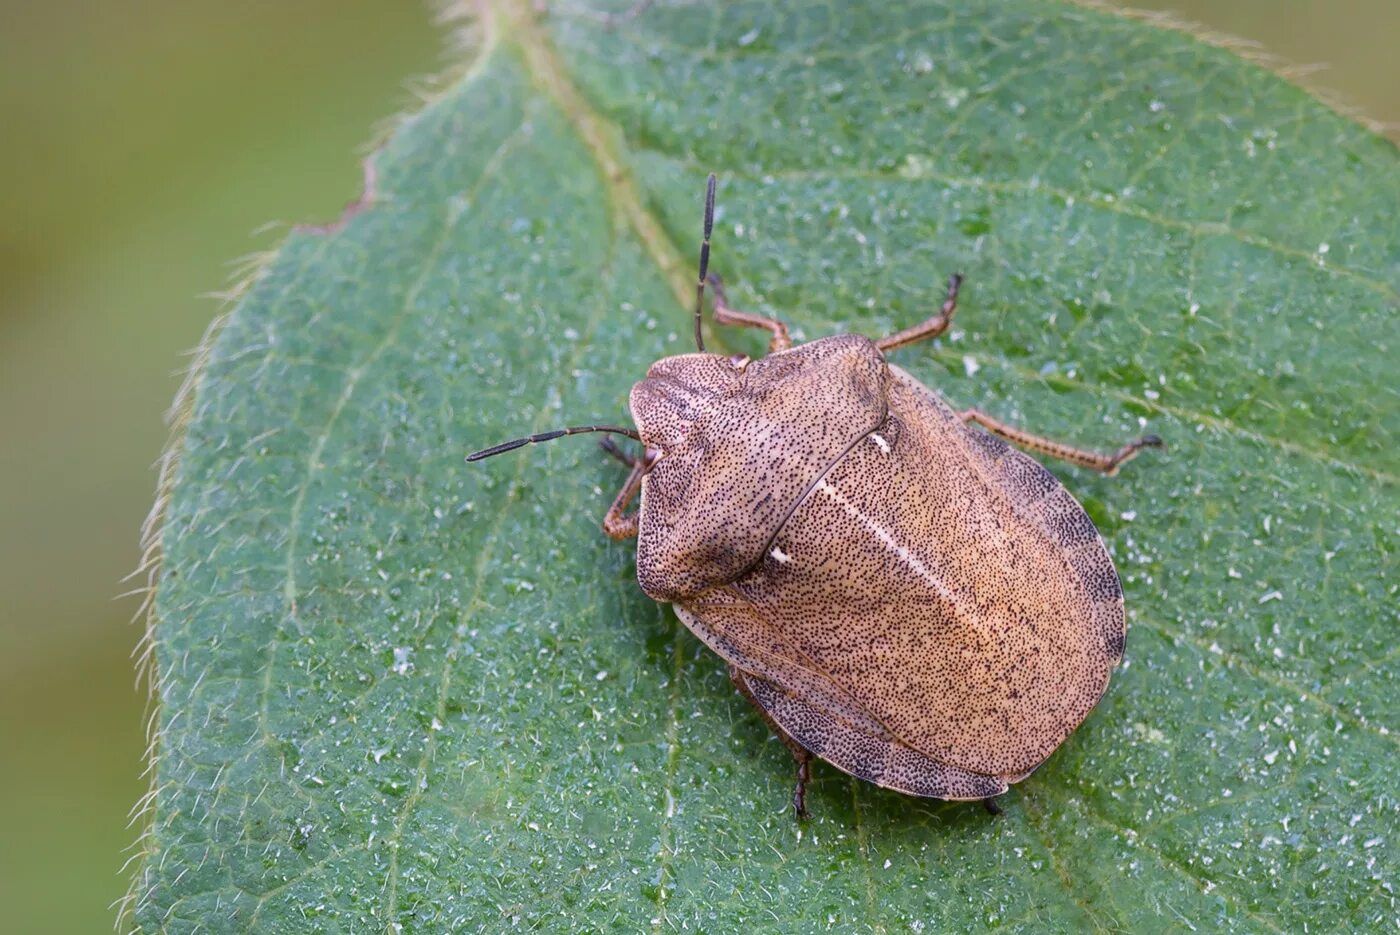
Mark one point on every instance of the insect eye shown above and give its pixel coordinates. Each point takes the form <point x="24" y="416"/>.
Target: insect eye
<point x="738" y="361"/>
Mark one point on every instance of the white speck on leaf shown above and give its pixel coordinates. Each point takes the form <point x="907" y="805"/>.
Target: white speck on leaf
<point x="1150" y="734"/>
<point x="915" y="166"/>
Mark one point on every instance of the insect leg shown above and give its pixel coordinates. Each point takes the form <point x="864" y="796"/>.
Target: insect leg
<point x="799" y="791"/>
<point x="610" y="446"/>
<point x="725" y="315"/>
<point x="801" y="754"/>
<point x="990" y="804"/>
<point x="615" y="524"/>
<point x="1107" y="463"/>
<point x="930" y="328"/>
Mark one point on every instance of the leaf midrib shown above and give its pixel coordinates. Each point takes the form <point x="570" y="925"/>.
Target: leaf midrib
<point x="516" y="25"/>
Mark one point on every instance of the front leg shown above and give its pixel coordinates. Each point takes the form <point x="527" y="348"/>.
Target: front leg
<point x="616" y="523"/>
<point x="610" y="446"/>
<point x="724" y="315"/>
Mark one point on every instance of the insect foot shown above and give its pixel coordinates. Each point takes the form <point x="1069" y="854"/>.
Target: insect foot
<point x="896" y="589"/>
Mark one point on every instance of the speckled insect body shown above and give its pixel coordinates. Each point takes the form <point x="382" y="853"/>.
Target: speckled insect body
<point x="900" y="593"/>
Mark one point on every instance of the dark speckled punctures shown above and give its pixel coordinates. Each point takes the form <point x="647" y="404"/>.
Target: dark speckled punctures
<point x="908" y="597"/>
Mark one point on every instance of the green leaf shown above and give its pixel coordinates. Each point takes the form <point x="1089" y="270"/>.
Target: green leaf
<point x="399" y="692"/>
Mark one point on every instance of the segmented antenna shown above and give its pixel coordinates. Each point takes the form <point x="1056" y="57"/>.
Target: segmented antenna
<point x="704" y="258"/>
<point x="546" y="436"/>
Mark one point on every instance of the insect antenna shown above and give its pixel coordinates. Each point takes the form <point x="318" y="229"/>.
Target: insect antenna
<point x="546" y="436"/>
<point x="704" y="258"/>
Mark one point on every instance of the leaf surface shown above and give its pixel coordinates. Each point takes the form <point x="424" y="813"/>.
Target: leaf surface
<point x="399" y="692"/>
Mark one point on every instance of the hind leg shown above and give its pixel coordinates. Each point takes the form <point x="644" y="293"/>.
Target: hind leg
<point x="1107" y="463"/>
<point x="801" y="754"/>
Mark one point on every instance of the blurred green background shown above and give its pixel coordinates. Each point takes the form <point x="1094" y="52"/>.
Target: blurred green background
<point x="149" y="144"/>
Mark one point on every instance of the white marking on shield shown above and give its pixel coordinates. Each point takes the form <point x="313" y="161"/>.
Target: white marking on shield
<point x="888" y="541"/>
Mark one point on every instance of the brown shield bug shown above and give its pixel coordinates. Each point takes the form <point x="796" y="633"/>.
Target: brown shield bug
<point x="897" y="591"/>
